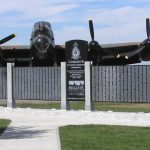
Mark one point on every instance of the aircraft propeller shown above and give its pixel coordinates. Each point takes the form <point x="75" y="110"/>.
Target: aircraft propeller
<point x="4" y="40"/>
<point x="141" y="46"/>
<point x="93" y="44"/>
<point x="91" y="29"/>
<point x="148" y="28"/>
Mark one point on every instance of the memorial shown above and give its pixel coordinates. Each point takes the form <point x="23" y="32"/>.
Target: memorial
<point x="76" y="55"/>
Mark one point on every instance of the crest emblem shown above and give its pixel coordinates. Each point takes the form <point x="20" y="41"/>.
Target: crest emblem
<point x="75" y="51"/>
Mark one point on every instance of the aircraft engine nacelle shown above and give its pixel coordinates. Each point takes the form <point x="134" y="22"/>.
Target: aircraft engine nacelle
<point x="42" y="41"/>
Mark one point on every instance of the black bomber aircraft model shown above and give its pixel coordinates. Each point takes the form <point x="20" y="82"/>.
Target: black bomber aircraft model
<point x="42" y="50"/>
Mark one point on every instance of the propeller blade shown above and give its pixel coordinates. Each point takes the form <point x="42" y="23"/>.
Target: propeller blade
<point x="91" y="29"/>
<point x="148" y="28"/>
<point x="128" y="55"/>
<point x="135" y="52"/>
<point x="7" y="38"/>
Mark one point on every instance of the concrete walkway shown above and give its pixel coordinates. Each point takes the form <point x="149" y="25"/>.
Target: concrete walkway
<point x="38" y="129"/>
<point x="29" y="130"/>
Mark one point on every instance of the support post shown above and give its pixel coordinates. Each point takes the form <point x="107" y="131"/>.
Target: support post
<point x="64" y="102"/>
<point x="10" y="99"/>
<point x="88" y="93"/>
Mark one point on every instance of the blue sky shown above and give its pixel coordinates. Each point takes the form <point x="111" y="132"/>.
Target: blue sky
<point x="115" y="21"/>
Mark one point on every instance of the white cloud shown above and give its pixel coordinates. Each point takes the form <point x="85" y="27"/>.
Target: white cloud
<point x="103" y="36"/>
<point x="123" y="15"/>
<point x="125" y="23"/>
<point x="16" y="12"/>
<point x="68" y="33"/>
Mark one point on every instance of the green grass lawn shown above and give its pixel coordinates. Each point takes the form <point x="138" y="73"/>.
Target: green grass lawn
<point x="122" y="107"/>
<point x="100" y="106"/>
<point x="48" y="105"/>
<point x="3" y="125"/>
<point x="100" y="137"/>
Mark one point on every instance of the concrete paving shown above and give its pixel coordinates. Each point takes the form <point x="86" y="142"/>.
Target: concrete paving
<point x="35" y="129"/>
<point x="29" y="131"/>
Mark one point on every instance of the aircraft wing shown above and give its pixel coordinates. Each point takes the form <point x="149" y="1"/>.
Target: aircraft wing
<point x="114" y="54"/>
<point x="119" y="47"/>
<point x="119" y="54"/>
<point x="20" y="55"/>
<point x="17" y="54"/>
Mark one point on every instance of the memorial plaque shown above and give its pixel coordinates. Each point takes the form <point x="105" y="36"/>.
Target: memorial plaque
<point x="76" y="55"/>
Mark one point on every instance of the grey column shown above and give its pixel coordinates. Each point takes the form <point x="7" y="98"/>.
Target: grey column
<point x="10" y="99"/>
<point x="64" y="102"/>
<point x="88" y="84"/>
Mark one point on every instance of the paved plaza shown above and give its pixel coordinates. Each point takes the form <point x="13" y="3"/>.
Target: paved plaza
<point x="36" y="129"/>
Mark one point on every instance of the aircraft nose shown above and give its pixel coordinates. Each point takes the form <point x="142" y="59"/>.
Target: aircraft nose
<point x="42" y="43"/>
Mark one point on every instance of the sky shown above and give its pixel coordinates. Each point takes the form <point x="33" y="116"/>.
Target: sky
<point x="115" y="21"/>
